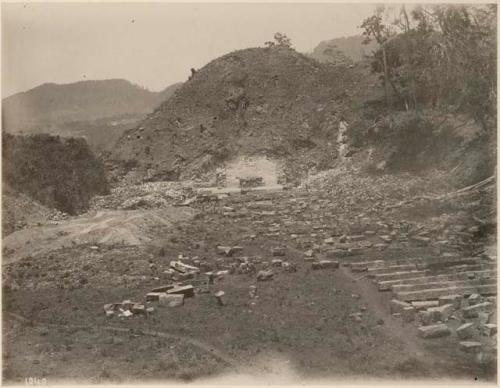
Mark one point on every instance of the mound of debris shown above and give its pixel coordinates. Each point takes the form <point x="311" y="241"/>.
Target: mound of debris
<point x="273" y="102"/>
<point x="150" y="195"/>
<point x="349" y="184"/>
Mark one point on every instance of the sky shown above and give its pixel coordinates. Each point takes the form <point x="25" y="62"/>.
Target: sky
<point x="155" y="44"/>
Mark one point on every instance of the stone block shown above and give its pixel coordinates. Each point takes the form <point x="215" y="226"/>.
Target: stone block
<point x="279" y="251"/>
<point x="441" y="313"/>
<point x="483" y="317"/>
<point x="408" y="314"/>
<point x="424" y="304"/>
<point x="489" y="329"/>
<point x="434" y="331"/>
<point x="162" y="289"/>
<point x="171" y="300"/>
<point x="325" y="264"/>
<point x="187" y="291"/>
<point x="265" y="275"/>
<point x="472" y="311"/>
<point x="455" y="300"/>
<point x="465" y="331"/>
<point x="470" y="346"/>
<point x="474" y="299"/>
<point x="398" y="306"/>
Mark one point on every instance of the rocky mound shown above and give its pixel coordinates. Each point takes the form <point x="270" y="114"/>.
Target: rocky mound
<point x="258" y="101"/>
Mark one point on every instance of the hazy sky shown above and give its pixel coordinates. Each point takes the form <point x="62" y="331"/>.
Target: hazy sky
<point x="152" y="45"/>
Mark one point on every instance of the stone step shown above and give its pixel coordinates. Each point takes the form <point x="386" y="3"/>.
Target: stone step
<point x="265" y="189"/>
<point x="391" y="269"/>
<point x="445" y="284"/>
<point x="366" y="264"/>
<point x="446" y="263"/>
<point x="399" y="275"/>
<point x="435" y="293"/>
<point x="388" y="284"/>
<point x="412" y="260"/>
<point x="470" y="267"/>
<point x="434" y="263"/>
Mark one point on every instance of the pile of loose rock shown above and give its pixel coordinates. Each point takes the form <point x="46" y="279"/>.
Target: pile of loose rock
<point x="151" y="195"/>
<point x="189" y="280"/>
<point x="470" y="319"/>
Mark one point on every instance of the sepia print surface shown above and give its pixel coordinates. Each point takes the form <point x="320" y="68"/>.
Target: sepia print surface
<point x="264" y="193"/>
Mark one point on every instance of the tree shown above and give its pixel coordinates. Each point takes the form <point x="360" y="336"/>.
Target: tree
<point x="335" y="55"/>
<point x="375" y="29"/>
<point x="280" y="40"/>
<point x="439" y="56"/>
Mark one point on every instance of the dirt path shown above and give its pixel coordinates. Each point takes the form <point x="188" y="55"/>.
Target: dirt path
<point x="127" y="227"/>
<point x="204" y="346"/>
<point x="378" y="303"/>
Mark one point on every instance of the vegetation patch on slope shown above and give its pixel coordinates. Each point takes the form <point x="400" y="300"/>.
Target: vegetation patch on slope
<point x="59" y="173"/>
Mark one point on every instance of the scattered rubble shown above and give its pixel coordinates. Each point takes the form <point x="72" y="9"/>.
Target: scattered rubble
<point x="150" y="195"/>
<point x="126" y="309"/>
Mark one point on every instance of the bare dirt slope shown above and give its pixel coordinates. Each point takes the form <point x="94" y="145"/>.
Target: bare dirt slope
<point x="111" y="227"/>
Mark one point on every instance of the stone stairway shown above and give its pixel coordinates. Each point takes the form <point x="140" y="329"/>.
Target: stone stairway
<point x="433" y="283"/>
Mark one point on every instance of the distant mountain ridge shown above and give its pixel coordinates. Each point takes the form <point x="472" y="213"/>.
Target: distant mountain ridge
<point x="98" y="110"/>
<point x="83" y="100"/>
